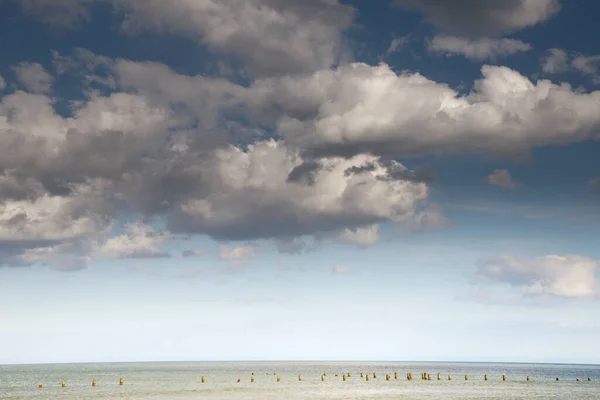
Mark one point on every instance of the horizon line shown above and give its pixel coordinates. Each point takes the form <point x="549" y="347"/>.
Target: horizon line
<point x="298" y="361"/>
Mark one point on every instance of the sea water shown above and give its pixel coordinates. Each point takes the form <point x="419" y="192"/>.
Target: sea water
<point x="183" y="381"/>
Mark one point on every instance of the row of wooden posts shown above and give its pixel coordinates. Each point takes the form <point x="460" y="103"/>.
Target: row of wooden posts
<point x="424" y="376"/>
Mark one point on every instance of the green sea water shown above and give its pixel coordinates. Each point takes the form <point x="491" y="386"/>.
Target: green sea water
<point x="183" y="381"/>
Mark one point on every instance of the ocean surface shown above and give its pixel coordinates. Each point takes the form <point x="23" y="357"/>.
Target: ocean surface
<point x="183" y="381"/>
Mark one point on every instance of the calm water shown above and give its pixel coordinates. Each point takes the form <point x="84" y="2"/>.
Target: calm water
<point x="183" y="381"/>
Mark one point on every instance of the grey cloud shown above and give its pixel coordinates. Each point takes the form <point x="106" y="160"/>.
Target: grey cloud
<point x="305" y="173"/>
<point x="478" y="18"/>
<point x="477" y="49"/>
<point x="34" y="77"/>
<point x="595" y="183"/>
<point x="64" y="14"/>
<point x="501" y="178"/>
<point x="290" y="245"/>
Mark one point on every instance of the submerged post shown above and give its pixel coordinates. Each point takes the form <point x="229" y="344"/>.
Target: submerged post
<point x="300" y="378"/>
<point x="41" y="385"/>
<point x="485" y="378"/>
<point x="94" y="382"/>
<point x="121" y="382"/>
<point x="203" y="380"/>
<point x="395" y="375"/>
<point x="527" y="378"/>
<point x="63" y="383"/>
<point x="503" y="377"/>
<point x="439" y="376"/>
<point x="466" y="377"/>
<point x="344" y="378"/>
<point x="278" y="378"/>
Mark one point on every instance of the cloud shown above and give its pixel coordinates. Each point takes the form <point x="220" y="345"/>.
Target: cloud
<point x="595" y="183"/>
<point x="2" y="83"/>
<point x="555" y="61"/>
<point x="272" y="37"/>
<point x="340" y="270"/>
<point x="354" y="109"/>
<point x="239" y="253"/>
<point x="290" y="245"/>
<point x="65" y="14"/>
<point x="396" y="45"/>
<point x="140" y="241"/>
<point x="476" y="49"/>
<point x="362" y="237"/>
<point x="34" y="77"/>
<point x="562" y="276"/>
<point x="193" y="253"/>
<point x="478" y="18"/>
<point x="501" y="178"/>
<point x="558" y="60"/>
<point x="588" y="66"/>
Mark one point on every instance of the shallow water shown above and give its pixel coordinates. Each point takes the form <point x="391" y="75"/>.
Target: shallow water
<point x="183" y="381"/>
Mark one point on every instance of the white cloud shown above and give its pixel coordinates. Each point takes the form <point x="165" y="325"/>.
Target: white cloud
<point x="239" y="253"/>
<point x="362" y="237"/>
<point x="563" y="276"/>
<point x="555" y="61"/>
<point x="34" y="77"/>
<point x="139" y="241"/>
<point x="501" y="178"/>
<point x="341" y="270"/>
<point x="477" y="49"/>
<point x="484" y="18"/>
<point x="354" y="109"/>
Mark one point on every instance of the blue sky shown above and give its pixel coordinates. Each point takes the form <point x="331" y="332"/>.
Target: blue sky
<point x="249" y="180"/>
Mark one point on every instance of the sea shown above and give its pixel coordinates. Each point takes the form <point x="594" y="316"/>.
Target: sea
<point x="183" y="380"/>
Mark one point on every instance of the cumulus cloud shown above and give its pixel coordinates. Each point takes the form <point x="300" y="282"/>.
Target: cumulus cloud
<point x="158" y="144"/>
<point x="483" y="18"/>
<point x="476" y="49"/>
<point x="555" y="61"/>
<point x="501" y="178"/>
<point x="139" y="241"/>
<point x="34" y="77"/>
<point x="270" y="36"/>
<point x="354" y="109"/>
<point x="362" y="237"/>
<point x="563" y="276"/>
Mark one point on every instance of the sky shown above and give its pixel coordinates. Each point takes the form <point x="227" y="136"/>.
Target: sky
<point x="280" y="180"/>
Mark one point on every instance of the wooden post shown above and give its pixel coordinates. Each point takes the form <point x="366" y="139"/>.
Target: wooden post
<point x="94" y="382"/>
<point x="503" y="378"/>
<point x="466" y="377"/>
<point x="41" y="385"/>
<point x="439" y="376"/>
<point x="300" y="378"/>
<point x="63" y="383"/>
<point x="121" y="382"/>
<point x="485" y="378"/>
<point x="278" y="379"/>
<point x="203" y="380"/>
